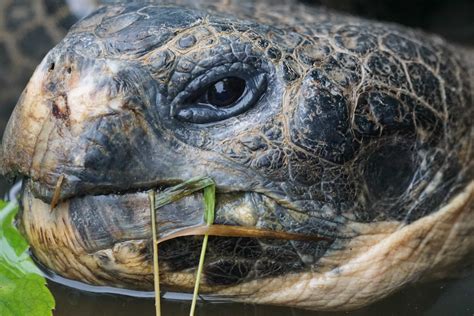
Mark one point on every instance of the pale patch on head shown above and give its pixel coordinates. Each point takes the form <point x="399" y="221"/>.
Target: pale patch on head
<point x="86" y="101"/>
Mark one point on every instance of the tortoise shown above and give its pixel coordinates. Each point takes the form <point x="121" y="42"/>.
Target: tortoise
<point x="312" y="123"/>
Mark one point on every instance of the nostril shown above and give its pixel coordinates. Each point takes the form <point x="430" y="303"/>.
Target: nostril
<point x="68" y="70"/>
<point x="51" y="67"/>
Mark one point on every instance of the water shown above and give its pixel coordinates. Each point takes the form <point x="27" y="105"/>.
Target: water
<point x="454" y="297"/>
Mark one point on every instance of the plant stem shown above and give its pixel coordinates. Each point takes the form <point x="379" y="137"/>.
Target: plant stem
<point x="156" y="271"/>
<point x="209" y="204"/>
<point x="171" y="195"/>
<point x="198" y="276"/>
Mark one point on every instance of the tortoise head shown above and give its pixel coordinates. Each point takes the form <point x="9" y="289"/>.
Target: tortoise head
<point x="309" y="122"/>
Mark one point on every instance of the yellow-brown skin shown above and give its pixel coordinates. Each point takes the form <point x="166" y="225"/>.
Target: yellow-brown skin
<point x="368" y="259"/>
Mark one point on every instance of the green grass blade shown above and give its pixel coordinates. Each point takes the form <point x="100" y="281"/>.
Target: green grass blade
<point x="209" y="213"/>
<point x="171" y="195"/>
<point x="179" y="191"/>
<point x="209" y="204"/>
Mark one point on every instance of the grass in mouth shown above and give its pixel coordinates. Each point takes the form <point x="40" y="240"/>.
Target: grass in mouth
<point x="173" y="194"/>
<point x="156" y="271"/>
<point x="209" y="207"/>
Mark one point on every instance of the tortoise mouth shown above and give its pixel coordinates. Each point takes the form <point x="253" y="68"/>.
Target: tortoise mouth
<point x="126" y="209"/>
<point x="65" y="189"/>
<point x="122" y="215"/>
<point x="113" y="232"/>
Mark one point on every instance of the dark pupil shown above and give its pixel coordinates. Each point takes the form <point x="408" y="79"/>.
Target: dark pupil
<point x="225" y="92"/>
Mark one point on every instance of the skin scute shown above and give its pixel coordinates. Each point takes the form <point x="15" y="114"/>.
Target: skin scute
<point x="309" y="121"/>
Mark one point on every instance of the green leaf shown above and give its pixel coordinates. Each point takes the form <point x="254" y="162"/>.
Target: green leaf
<point x="23" y="289"/>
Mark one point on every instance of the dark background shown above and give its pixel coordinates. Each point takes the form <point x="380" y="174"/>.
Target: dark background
<point x="453" y="19"/>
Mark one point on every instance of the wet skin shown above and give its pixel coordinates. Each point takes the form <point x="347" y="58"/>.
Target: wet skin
<point x="309" y="122"/>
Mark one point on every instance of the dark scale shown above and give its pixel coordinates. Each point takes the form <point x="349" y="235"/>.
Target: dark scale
<point x="274" y="53"/>
<point x="426" y="205"/>
<point x="290" y="69"/>
<point x="162" y="65"/>
<point x="313" y="52"/>
<point x="423" y="118"/>
<point x="386" y="69"/>
<point x="426" y="85"/>
<point x="400" y="46"/>
<point x="262" y="43"/>
<point x="320" y="122"/>
<point x="379" y="112"/>
<point x="355" y="40"/>
<point x="429" y="56"/>
<point x="254" y="143"/>
<point x="389" y="171"/>
<point x="187" y="41"/>
<point x="343" y="71"/>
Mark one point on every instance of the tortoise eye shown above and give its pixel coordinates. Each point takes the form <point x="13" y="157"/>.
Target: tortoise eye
<point x="219" y="99"/>
<point x="225" y="92"/>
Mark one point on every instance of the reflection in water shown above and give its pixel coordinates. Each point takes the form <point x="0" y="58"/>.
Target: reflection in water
<point x="441" y="298"/>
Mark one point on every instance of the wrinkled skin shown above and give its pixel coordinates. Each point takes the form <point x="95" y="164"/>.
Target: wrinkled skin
<point x="356" y="131"/>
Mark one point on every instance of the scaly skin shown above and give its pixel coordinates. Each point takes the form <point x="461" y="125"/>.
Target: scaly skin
<point x="357" y="131"/>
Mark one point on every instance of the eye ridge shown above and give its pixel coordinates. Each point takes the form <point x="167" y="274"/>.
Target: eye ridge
<point x="225" y="92"/>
